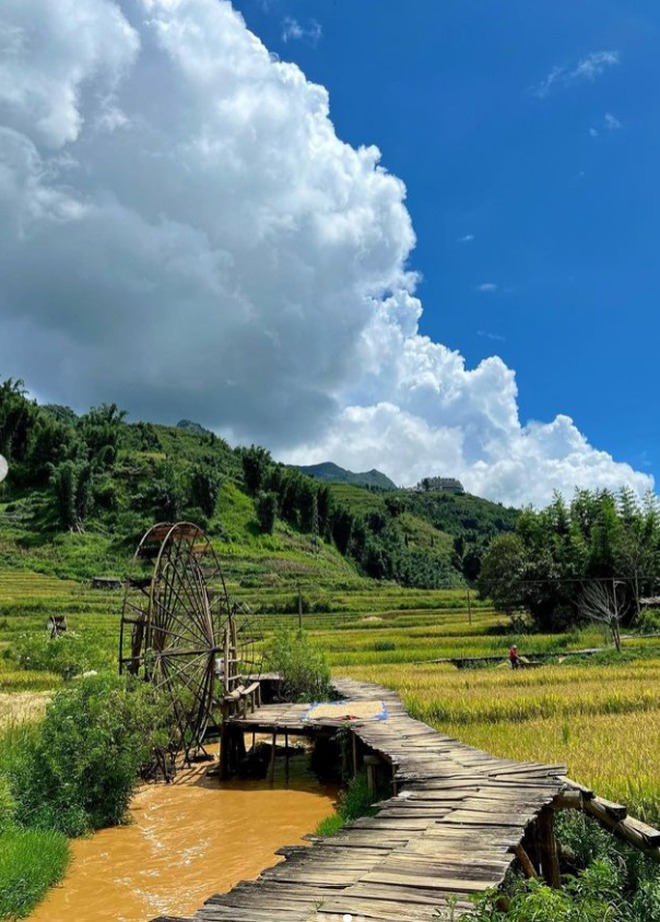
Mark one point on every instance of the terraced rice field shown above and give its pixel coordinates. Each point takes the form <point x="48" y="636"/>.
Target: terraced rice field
<point x="603" y="720"/>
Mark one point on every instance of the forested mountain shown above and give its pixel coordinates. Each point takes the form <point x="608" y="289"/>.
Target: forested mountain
<point x="98" y="475"/>
<point x="332" y="473"/>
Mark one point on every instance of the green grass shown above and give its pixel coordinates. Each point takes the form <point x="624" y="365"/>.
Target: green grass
<point x="354" y="801"/>
<point x="31" y="861"/>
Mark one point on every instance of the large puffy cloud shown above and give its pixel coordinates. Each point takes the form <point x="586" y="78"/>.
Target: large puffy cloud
<point x="184" y="233"/>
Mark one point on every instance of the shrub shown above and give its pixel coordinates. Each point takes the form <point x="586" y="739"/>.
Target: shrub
<point x="80" y="770"/>
<point x="649" y="621"/>
<point x="302" y="666"/>
<point x="611" y="882"/>
<point x="68" y="655"/>
<point x="330" y="826"/>
<point x="591" y="897"/>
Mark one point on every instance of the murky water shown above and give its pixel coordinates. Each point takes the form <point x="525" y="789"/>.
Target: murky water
<point x="188" y="840"/>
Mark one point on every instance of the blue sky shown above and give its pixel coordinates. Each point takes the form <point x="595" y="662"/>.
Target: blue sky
<point x="558" y="189"/>
<point x="196" y="225"/>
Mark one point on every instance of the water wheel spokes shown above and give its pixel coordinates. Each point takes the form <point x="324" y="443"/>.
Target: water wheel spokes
<point x="181" y="632"/>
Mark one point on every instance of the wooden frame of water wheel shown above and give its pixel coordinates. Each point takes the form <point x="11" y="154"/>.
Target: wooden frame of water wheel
<point x="181" y="631"/>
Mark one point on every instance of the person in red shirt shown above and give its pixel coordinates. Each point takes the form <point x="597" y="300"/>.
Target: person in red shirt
<point x="514" y="659"/>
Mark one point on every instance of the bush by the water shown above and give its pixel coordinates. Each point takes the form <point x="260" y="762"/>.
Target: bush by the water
<point x="302" y="666"/>
<point x="78" y="769"/>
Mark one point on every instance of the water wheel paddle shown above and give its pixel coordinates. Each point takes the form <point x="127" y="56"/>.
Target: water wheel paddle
<point x="181" y="631"/>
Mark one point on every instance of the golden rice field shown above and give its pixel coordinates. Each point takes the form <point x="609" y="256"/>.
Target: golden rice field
<point x="19" y="707"/>
<point x="602" y="722"/>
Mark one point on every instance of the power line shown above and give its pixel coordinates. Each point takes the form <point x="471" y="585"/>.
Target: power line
<point x="572" y="579"/>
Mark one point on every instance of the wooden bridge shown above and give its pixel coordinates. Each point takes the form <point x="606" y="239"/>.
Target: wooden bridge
<point x="452" y="828"/>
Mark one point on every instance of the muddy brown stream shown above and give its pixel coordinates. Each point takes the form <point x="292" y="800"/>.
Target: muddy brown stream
<point x="187" y="840"/>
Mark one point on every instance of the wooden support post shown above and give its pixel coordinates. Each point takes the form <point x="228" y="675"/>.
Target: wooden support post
<point x="272" y="757"/>
<point x="548" y="848"/>
<point x="395" y="786"/>
<point x="254" y="741"/>
<point x="286" y="757"/>
<point x="525" y="861"/>
<point x="224" y="751"/>
<point x="355" y="754"/>
<point x="240" y="745"/>
<point x="371" y="763"/>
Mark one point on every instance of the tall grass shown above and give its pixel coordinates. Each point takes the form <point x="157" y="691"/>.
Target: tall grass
<point x="31" y="861"/>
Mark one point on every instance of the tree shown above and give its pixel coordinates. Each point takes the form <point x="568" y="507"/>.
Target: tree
<point x="17" y="414"/>
<point x="71" y="485"/>
<point x="204" y="488"/>
<point x="599" y="601"/>
<point x="266" y="508"/>
<point x="50" y="443"/>
<point x="307" y="503"/>
<point x="599" y="536"/>
<point x="164" y="495"/>
<point x="342" y="528"/>
<point x="638" y="546"/>
<point x="101" y="431"/>
<point x="256" y="463"/>
<point x="502" y="571"/>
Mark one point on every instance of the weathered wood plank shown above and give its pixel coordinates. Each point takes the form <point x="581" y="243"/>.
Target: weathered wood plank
<point x="449" y="831"/>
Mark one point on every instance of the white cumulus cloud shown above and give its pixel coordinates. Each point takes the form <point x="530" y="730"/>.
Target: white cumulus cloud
<point x="184" y="233"/>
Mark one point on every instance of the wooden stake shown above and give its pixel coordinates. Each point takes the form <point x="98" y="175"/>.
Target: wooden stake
<point x="224" y="751"/>
<point x="272" y="757"/>
<point x="395" y="786"/>
<point x="525" y="861"/>
<point x="371" y="762"/>
<point x="548" y="848"/>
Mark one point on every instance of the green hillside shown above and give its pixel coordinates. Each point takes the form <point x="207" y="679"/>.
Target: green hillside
<point x="83" y="489"/>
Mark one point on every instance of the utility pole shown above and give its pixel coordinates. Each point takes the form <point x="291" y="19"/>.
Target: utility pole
<point x="315" y="524"/>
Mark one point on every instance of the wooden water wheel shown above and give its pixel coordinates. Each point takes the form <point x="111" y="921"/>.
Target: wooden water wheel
<point x="181" y="631"/>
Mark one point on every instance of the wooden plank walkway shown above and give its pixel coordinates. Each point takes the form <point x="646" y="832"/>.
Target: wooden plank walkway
<point x="447" y="834"/>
